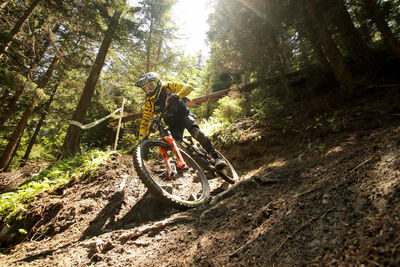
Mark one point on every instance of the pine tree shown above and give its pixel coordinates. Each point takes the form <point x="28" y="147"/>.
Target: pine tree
<point x="383" y="27"/>
<point x="72" y="140"/>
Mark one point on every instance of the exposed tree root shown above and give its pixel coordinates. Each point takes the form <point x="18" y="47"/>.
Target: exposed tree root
<point x="156" y="227"/>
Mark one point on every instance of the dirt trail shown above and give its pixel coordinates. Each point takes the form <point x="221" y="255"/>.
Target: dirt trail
<point x="335" y="202"/>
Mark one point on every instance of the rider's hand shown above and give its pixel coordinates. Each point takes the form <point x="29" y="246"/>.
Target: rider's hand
<point x="172" y="100"/>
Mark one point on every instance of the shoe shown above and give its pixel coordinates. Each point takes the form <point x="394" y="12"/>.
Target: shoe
<point x="220" y="164"/>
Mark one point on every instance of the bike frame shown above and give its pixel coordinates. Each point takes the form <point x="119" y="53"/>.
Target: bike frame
<point x="202" y="158"/>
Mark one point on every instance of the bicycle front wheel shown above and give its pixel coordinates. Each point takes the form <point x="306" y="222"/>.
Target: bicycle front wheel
<point x="188" y="188"/>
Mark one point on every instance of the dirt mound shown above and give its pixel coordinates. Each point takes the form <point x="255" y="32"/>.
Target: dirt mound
<point x="334" y="202"/>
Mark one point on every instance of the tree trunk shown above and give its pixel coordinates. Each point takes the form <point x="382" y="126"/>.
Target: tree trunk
<point x="282" y="77"/>
<point x="279" y="59"/>
<point x="5" y="158"/>
<point x="17" y="27"/>
<point x="45" y="111"/>
<point x="339" y="67"/>
<point x="11" y="105"/>
<point x="72" y="139"/>
<point x="317" y="50"/>
<point x="13" y="154"/>
<point x="46" y="77"/>
<point x="8" y="151"/>
<point x="383" y="27"/>
<point x="359" y="51"/>
<point x="3" y="98"/>
<point x="274" y="33"/>
<point x="308" y="31"/>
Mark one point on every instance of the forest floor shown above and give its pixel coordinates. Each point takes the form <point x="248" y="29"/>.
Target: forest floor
<point x="325" y="191"/>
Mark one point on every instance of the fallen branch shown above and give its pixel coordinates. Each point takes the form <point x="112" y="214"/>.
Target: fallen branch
<point x="140" y="244"/>
<point x="156" y="227"/>
<point x="215" y="95"/>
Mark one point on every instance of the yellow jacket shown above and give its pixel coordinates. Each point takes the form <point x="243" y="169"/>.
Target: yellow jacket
<point x="180" y="89"/>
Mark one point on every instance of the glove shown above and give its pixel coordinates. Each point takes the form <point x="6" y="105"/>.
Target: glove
<point x="172" y="101"/>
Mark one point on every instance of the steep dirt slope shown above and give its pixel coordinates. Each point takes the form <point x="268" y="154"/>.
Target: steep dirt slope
<point x="335" y="202"/>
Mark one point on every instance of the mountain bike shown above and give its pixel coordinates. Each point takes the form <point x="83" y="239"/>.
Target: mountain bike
<point x="174" y="170"/>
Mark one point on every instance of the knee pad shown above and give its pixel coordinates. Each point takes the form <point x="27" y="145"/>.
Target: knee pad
<point x="195" y="132"/>
<point x="201" y="138"/>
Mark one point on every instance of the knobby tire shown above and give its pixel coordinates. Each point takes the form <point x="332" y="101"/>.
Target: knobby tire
<point x="229" y="173"/>
<point x="162" y="188"/>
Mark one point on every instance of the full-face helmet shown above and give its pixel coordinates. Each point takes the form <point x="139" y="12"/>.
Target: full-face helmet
<point x="150" y="83"/>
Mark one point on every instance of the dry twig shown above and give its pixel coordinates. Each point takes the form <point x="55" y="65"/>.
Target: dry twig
<point x="362" y="163"/>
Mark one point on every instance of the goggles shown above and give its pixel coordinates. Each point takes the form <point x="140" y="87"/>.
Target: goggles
<point x="149" y="87"/>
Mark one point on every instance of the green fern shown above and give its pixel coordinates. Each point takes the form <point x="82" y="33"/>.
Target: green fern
<point x="13" y="204"/>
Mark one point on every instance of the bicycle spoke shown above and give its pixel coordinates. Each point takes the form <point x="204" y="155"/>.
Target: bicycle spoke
<point x="184" y="186"/>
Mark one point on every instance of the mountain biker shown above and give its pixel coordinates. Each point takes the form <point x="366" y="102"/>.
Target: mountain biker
<point x="160" y="96"/>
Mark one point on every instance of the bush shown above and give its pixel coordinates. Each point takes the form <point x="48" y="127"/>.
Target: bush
<point x="229" y="109"/>
<point x="220" y="125"/>
<point x="222" y="133"/>
<point x="128" y="142"/>
<point x="264" y="107"/>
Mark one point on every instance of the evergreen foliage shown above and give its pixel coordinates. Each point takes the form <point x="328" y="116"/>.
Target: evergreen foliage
<point x="48" y="49"/>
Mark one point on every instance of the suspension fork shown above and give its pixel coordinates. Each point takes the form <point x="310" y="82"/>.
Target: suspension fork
<point x="168" y="162"/>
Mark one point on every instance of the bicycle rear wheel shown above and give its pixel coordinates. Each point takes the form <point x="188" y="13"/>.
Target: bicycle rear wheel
<point x="228" y="173"/>
<point x="188" y="188"/>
